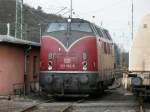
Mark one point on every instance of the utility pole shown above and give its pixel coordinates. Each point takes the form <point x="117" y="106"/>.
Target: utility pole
<point x="132" y="18"/>
<point x="70" y="8"/>
<point x="19" y="19"/>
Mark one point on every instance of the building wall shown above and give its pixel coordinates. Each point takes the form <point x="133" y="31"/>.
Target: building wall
<point x="11" y="67"/>
<point x="139" y="54"/>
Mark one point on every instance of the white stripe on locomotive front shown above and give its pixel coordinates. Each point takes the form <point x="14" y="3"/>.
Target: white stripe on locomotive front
<point x="67" y="49"/>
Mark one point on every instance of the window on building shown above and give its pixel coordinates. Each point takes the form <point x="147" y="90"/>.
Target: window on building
<point x="145" y="25"/>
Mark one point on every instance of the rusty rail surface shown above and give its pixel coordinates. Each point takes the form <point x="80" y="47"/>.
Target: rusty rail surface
<point x="69" y="108"/>
<point x="31" y="108"/>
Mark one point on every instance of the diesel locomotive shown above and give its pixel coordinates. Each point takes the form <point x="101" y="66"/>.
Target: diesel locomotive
<point x="77" y="58"/>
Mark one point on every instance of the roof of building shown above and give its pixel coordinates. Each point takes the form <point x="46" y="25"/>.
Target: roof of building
<point x="10" y="39"/>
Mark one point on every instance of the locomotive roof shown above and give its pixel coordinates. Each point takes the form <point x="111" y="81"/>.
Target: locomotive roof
<point x="72" y="20"/>
<point x="78" y="20"/>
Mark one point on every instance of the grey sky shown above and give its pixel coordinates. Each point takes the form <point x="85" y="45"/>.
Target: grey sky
<point x="115" y="15"/>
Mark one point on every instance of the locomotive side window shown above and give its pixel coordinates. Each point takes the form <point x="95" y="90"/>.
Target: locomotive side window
<point x="105" y="47"/>
<point x="108" y="49"/>
<point x="107" y="34"/>
<point x="99" y="32"/>
<point x="57" y="27"/>
<point x="84" y="27"/>
<point x="104" y="34"/>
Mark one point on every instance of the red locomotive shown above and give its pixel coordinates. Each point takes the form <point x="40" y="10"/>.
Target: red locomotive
<point x="77" y="58"/>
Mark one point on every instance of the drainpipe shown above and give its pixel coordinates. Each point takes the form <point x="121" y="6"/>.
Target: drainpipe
<point x="40" y="32"/>
<point x="26" y="52"/>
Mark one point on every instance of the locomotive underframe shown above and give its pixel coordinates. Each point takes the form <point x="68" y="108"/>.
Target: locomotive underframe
<point x="73" y="83"/>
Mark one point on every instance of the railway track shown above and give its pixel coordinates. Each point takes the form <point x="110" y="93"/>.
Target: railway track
<point x="115" y="100"/>
<point x="35" y="106"/>
<point x="141" y="107"/>
<point x="83" y="106"/>
<point x="85" y="103"/>
<point x="67" y="108"/>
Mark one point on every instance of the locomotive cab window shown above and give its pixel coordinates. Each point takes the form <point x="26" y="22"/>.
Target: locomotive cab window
<point x="84" y="27"/>
<point x="57" y="27"/>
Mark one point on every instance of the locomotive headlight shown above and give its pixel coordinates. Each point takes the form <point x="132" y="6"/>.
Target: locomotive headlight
<point x="84" y="58"/>
<point x="84" y="63"/>
<point x="69" y="20"/>
<point x="85" y="68"/>
<point x="50" y="65"/>
<point x="136" y="81"/>
<point x="84" y="79"/>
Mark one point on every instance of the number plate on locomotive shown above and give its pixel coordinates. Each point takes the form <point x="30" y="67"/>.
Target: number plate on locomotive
<point x="67" y="60"/>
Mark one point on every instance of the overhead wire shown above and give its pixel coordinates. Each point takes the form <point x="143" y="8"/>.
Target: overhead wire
<point x="55" y="6"/>
<point x="55" y="10"/>
<point x="61" y="10"/>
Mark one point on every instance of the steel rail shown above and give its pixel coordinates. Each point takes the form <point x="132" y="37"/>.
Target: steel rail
<point x="69" y="108"/>
<point x="29" y="109"/>
<point x="140" y="105"/>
